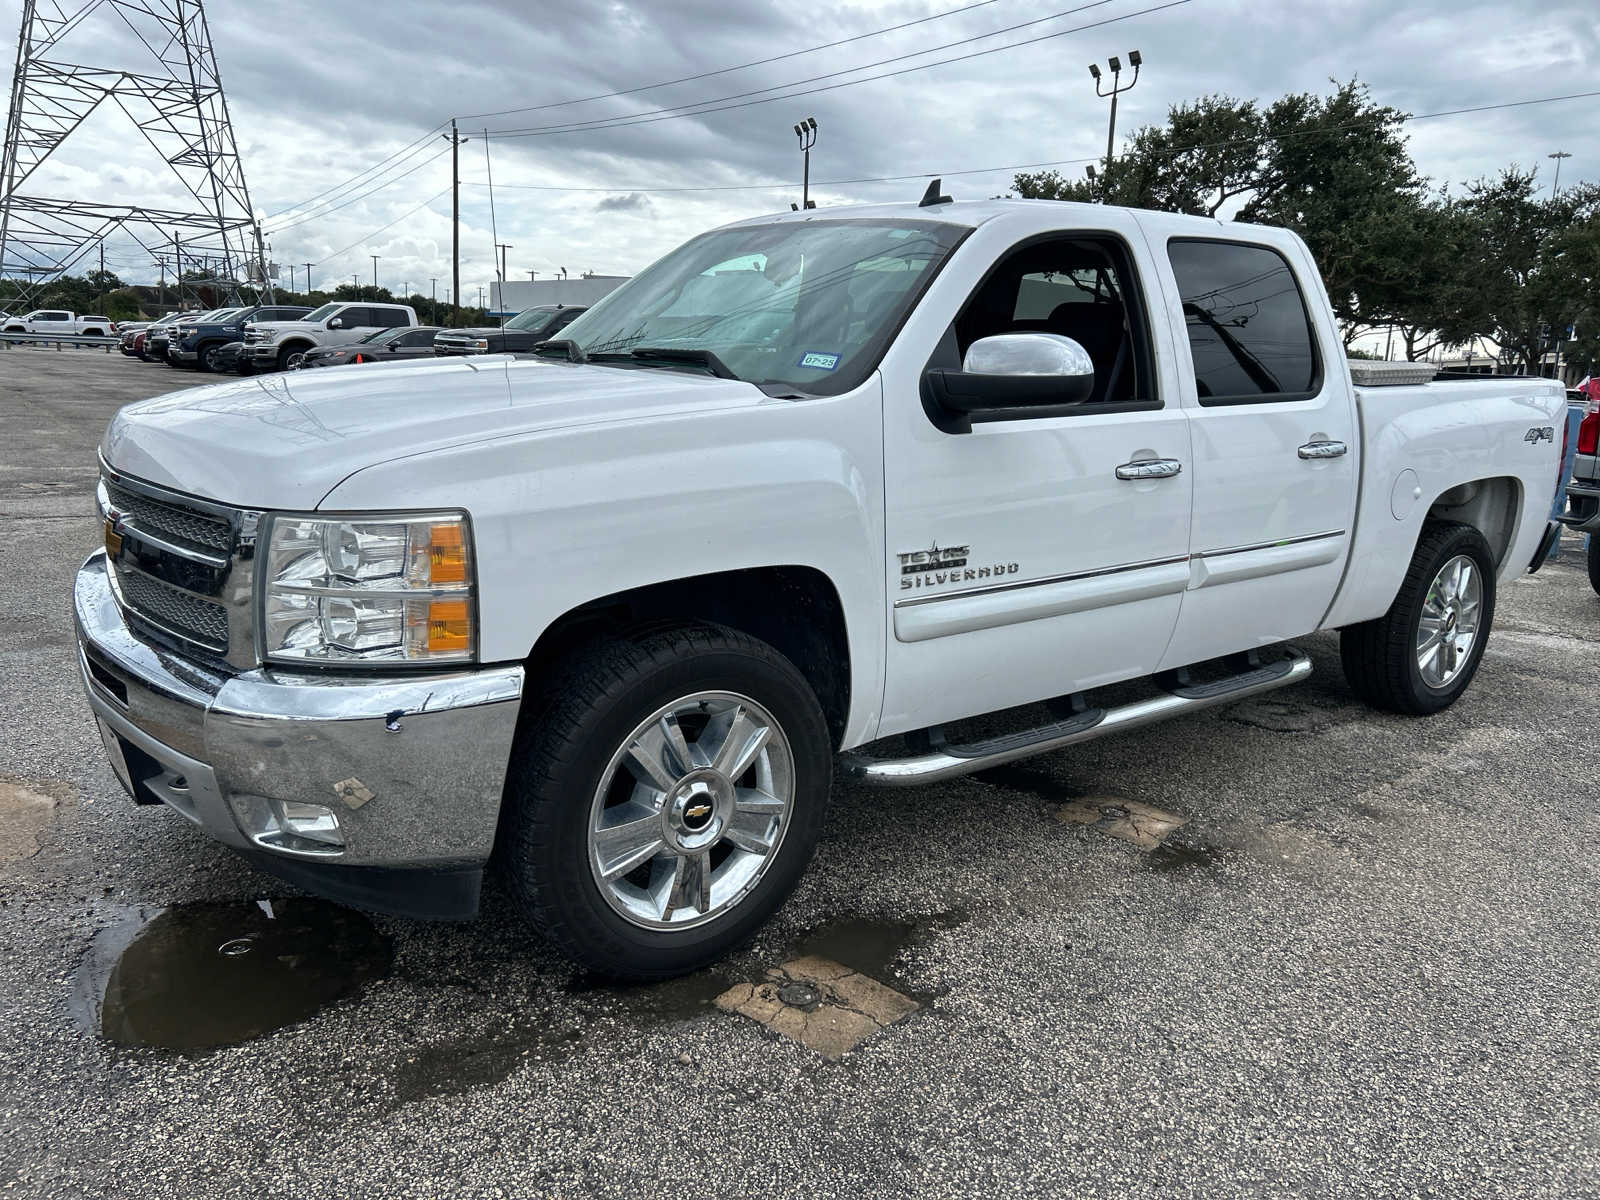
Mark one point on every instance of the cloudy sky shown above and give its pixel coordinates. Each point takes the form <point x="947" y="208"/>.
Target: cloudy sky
<point x="321" y="92"/>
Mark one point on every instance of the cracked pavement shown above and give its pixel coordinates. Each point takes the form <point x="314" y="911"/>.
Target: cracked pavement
<point x="1364" y="964"/>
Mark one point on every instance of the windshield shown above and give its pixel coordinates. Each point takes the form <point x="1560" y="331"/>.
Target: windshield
<point x="532" y="318"/>
<point x="327" y="310"/>
<point x="793" y="306"/>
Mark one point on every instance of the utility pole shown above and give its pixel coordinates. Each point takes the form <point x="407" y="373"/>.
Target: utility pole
<point x="1136" y="60"/>
<point x="533" y="277"/>
<point x="455" y="140"/>
<point x="1555" y="188"/>
<point x="374" y="258"/>
<point x="433" y="293"/>
<point x="177" y="268"/>
<point x="806" y="131"/>
<point x="480" y="295"/>
<point x="355" y="282"/>
<point x="261" y="258"/>
<point x="308" y="280"/>
<point x="101" y="280"/>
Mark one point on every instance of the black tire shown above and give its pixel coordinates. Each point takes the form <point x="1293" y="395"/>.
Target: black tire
<point x="1594" y="563"/>
<point x="564" y="746"/>
<point x="203" y="354"/>
<point x="1380" y="658"/>
<point x="290" y="352"/>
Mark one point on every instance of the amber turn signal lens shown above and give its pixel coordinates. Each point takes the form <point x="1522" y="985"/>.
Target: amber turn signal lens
<point x="449" y="626"/>
<point x="447" y="554"/>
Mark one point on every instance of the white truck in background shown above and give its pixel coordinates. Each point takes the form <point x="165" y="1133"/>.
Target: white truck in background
<point x="815" y="488"/>
<point x="280" y="345"/>
<point x="59" y="321"/>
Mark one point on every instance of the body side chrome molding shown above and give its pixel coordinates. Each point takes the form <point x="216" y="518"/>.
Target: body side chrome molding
<point x="989" y="589"/>
<point x="1294" y="541"/>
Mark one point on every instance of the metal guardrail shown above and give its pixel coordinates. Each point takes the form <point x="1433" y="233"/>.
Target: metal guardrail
<point x="92" y="342"/>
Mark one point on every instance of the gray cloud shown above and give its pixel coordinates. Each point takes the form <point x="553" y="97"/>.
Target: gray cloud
<point x="630" y="202"/>
<point x="321" y="91"/>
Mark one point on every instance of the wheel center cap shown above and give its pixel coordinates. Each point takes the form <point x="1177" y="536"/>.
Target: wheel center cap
<point x="697" y="808"/>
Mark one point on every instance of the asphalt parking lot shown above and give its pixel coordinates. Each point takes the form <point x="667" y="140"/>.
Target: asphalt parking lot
<point x="1363" y="964"/>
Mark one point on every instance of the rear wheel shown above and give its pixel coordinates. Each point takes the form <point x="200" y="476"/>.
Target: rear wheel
<point x="1420" y="656"/>
<point x="667" y="799"/>
<point x="1594" y="563"/>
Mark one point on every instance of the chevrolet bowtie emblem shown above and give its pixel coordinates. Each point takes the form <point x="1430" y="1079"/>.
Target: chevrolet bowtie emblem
<point x="697" y="811"/>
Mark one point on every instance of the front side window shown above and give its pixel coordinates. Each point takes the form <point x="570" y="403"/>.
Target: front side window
<point x="356" y="318"/>
<point x="533" y="318"/>
<point x="795" y="307"/>
<point x="1249" y="331"/>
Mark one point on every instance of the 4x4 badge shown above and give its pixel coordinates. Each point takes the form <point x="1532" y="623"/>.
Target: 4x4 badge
<point x="1538" y="434"/>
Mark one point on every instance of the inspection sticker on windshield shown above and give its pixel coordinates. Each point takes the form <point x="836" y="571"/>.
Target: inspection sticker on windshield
<point x="822" y="362"/>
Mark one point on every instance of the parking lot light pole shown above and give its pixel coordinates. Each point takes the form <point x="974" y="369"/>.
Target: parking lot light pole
<point x="806" y="131"/>
<point x="1136" y="60"/>
<point x="374" y="258"/>
<point x="1555" y="188"/>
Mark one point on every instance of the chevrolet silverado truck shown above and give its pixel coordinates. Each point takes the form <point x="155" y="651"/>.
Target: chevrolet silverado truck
<point x="280" y="345"/>
<point x="810" y="493"/>
<point x="521" y="333"/>
<point x="194" y="341"/>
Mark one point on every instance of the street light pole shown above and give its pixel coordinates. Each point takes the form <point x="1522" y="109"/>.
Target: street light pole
<point x="1555" y="188"/>
<point x="806" y="131"/>
<point x="1136" y="60"/>
<point x="374" y="258"/>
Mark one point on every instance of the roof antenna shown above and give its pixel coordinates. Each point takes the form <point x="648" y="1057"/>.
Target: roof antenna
<point x="932" y="196"/>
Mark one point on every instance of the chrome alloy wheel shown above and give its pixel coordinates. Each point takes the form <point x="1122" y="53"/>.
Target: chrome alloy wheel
<point x="691" y="810"/>
<point x="1448" y="628"/>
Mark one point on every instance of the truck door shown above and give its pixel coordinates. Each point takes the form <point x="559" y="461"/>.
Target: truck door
<point x="1276" y="445"/>
<point x="1022" y="563"/>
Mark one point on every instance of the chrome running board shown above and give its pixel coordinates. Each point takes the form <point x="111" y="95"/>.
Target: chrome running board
<point x="947" y="762"/>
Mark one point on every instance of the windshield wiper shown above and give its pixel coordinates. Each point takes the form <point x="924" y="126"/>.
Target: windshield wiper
<point x="567" y="346"/>
<point x="687" y="354"/>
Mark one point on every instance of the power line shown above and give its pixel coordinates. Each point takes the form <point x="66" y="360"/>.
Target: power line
<point x="358" y="196"/>
<point x="760" y="62"/>
<point x="1059" y="162"/>
<point x="364" y="238"/>
<point x="412" y="147"/>
<point x="673" y="112"/>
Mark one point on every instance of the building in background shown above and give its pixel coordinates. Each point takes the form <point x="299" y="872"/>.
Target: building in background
<point x="509" y="298"/>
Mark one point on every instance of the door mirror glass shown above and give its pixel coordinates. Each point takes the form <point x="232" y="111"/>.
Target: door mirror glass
<point x="1009" y="376"/>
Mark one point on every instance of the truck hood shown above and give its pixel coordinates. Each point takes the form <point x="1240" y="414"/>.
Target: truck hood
<point x="285" y="441"/>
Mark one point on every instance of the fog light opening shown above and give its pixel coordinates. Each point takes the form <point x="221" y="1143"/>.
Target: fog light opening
<point x="311" y="822"/>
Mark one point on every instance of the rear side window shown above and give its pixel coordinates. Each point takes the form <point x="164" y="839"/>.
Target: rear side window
<point x="390" y="318"/>
<point x="1249" y="331"/>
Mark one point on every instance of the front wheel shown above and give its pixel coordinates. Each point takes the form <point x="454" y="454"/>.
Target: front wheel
<point x="1420" y="656"/>
<point x="666" y="800"/>
<point x="290" y="357"/>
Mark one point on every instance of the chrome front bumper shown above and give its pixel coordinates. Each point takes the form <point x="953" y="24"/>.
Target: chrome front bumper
<point x="412" y="766"/>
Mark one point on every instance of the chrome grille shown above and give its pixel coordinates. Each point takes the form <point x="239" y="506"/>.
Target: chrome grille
<point x="174" y="610"/>
<point x="182" y="568"/>
<point x="169" y="521"/>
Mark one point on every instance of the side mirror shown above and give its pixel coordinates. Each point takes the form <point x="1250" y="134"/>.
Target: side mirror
<point x="335" y="323"/>
<point x="1008" y="376"/>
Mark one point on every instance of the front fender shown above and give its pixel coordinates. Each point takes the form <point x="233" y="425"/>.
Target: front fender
<point x="569" y="515"/>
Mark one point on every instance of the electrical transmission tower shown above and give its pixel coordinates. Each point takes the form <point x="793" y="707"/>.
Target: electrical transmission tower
<point x="174" y="100"/>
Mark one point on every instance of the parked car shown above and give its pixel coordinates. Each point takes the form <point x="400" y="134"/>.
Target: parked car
<point x="409" y="343"/>
<point x="230" y="358"/>
<point x="281" y="345"/>
<point x="1583" y="489"/>
<point x="193" y="341"/>
<point x="55" y="320"/>
<point x="125" y="334"/>
<point x="521" y="333"/>
<point x="141" y="339"/>
<point x="806" y="483"/>
<point x="158" y="336"/>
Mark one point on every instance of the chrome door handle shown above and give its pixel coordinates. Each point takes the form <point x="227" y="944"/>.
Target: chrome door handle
<point x="1322" y="450"/>
<point x="1150" y="468"/>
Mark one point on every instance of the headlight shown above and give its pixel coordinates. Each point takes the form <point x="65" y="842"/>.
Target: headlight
<point x="480" y="343"/>
<point x="389" y="589"/>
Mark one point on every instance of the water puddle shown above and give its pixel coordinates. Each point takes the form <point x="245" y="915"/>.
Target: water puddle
<point x="198" y="976"/>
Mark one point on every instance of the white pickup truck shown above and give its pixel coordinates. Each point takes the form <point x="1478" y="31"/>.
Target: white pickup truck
<point x="816" y="485"/>
<point x="55" y="320"/>
<point x="280" y="345"/>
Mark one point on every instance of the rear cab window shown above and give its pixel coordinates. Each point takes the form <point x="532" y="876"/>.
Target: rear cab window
<point x="1249" y="329"/>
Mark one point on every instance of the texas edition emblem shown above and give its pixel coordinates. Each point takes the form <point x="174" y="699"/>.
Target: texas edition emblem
<point x="936" y="567"/>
